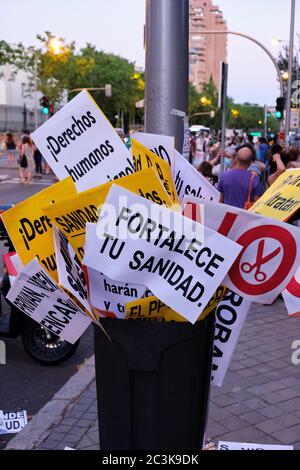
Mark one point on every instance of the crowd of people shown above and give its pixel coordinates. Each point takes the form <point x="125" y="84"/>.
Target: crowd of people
<point x="26" y="155"/>
<point x="248" y="167"/>
<point x="242" y="171"/>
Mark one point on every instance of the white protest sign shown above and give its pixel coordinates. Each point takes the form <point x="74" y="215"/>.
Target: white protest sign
<point x="111" y="296"/>
<point x="223" y="445"/>
<point x="79" y="141"/>
<point x="181" y="261"/>
<point x="70" y="274"/>
<point x="161" y="145"/>
<point x="231" y="314"/>
<point x="189" y="182"/>
<point x="36" y="294"/>
<point x="12" y="422"/>
<point x="270" y="254"/>
<point x="291" y="295"/>
<point x="16" y="261"/>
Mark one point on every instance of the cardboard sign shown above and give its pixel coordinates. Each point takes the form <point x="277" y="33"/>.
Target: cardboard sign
<point x="71" y="215"/>
<point x="30" y="228"/>
<point x="282" y="199"/>
<point x="12" y="422"/>
<point x="152" y="308"/>
<point x="110" y="296"/>
<point x="143" y="158"/>
<point x="189" y="182"/>
<point x="162" y="145"/>
<point x="291" y="295"/>
<point x="223" y="445"/>
<point x="70" y="274"/>
<point x="173" y="259"/>
<point x="79" y="141"/>
<point x="270" y="254"/>
<point x="231" y="314"/>
<point x="36" y="295"/>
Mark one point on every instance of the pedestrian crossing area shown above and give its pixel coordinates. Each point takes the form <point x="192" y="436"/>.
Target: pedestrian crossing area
<point x="34" y="182"/>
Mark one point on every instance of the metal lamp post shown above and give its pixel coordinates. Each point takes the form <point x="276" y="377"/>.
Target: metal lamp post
<point x="167" y="67"/>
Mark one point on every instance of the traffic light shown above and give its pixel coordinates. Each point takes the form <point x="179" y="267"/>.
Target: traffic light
<point x="108" y="90"/>
<point x="280" y="104"/>
<point x="44" y="102"/>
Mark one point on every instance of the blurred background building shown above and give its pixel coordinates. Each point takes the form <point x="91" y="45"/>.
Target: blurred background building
<point x="206" y="52"/>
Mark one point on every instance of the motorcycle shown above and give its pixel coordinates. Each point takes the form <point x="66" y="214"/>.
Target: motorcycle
<point x="41" y="344"/>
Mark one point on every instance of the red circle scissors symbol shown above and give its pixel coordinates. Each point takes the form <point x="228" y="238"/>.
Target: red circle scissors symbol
<point x="260" y="276"/>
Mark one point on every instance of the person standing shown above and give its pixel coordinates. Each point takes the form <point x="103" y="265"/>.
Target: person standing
<point x="263" y="150"/>
<point x="237" y="186"/>
<point x="26" y="160"/>
<point x="38" y="162"/>
<point x="10" y="147"/>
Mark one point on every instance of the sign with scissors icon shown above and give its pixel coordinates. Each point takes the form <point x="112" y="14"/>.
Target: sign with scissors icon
<point x="260" y="276"/>
<point x="265" y="263"/>
<point x="270" y="254"/>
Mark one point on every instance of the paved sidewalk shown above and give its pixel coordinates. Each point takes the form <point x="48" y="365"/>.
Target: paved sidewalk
<point x="259" y="401"/>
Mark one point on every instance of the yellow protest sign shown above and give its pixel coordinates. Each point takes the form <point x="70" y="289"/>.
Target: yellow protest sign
<point x="30" y="228"/>
<point x="143" y="158"/>
<point x="72" y="214"/>
<point x="282" y="199"/>
<point x="152" y="308"/>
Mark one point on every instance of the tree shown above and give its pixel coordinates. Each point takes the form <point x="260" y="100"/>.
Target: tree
<point x="70" y="69"/>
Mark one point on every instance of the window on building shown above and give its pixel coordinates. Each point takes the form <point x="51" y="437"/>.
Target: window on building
<point x="198" y="12"/>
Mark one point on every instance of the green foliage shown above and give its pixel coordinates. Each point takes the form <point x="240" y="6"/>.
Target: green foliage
<point x="70" y="69"/>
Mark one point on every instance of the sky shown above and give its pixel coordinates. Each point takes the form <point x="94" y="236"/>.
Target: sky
<point x="117" y="26"/>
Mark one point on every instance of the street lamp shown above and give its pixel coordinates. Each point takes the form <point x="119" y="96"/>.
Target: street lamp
<point x="55" y="46"/>
<point x="285" y="76"/>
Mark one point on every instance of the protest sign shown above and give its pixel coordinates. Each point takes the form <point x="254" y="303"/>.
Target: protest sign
<point x="80" y="142"/>
<point x="38" y="296"/>
<point x="189" y="182"/>
<point x="153" y="308"/>
<point x="291" y="295"/>
<point x="143" y="158"/>
<point x="223" y="445"/>
<point x="72" y="214"/>
<point x="111" y="296"/>
<point x="231" y="314"/>
<point x="30" y="228"/>
<point x="179" y="260"/>
<point x="270" y="254"/>
<point x="282" y="199"/>
<point x="17" y="263"/>
<point x="162" y="145"/>
<point x="12" y="422"/>
<point x="70" y="274"/>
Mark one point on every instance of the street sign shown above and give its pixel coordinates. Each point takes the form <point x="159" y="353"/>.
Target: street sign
<point x="295" y="122"/>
